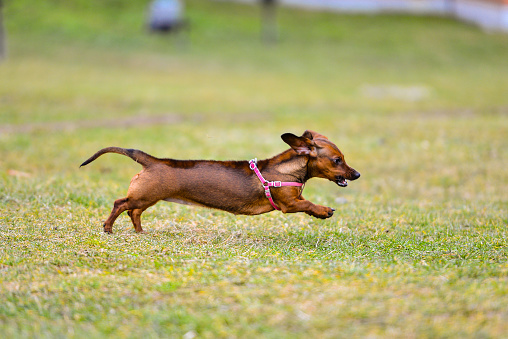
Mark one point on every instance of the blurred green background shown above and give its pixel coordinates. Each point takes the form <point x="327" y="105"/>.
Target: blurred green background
<point x="418" y="105"/>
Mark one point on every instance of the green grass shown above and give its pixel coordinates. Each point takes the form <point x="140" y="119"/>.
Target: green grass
<point x="416" y="248"/>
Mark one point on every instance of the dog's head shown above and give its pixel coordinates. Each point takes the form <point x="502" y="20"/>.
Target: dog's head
<point x="325" y="159"/>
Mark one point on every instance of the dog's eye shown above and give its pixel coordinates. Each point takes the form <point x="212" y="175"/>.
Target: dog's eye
<point x="337" y="161"/>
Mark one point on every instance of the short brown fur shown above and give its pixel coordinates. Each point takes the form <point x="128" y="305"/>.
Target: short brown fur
<point x="231" y="185"/>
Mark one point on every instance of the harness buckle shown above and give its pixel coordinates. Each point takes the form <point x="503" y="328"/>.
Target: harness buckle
<point x="252" y="163"/>
<point x="277" y="184"/>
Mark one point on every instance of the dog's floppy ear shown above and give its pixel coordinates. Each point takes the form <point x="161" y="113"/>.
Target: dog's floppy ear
<point x="313" y="135"/>
<point x="302" y="145"/>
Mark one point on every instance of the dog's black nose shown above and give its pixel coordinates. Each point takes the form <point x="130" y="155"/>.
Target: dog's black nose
<point x="355" y="175"/>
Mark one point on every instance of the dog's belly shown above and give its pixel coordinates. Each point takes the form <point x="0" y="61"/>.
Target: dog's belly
<point x="183" y="202"/>
<point x="245" y="209"/>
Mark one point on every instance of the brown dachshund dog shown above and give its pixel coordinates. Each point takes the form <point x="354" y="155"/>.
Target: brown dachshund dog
<point x="238" y="187"/>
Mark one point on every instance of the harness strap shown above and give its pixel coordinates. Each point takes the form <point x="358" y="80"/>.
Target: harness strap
<point x="267" y="184"/>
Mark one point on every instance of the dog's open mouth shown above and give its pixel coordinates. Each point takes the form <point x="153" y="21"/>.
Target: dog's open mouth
<point x="341" y="182"/>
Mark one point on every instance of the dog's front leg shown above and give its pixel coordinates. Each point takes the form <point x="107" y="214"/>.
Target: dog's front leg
<point x="302" y="205"/>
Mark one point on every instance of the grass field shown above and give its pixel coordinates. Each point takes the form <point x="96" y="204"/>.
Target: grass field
<point x="416" y="249"/>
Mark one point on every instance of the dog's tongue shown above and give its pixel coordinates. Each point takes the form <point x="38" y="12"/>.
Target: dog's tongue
<point x="342" y="182"/>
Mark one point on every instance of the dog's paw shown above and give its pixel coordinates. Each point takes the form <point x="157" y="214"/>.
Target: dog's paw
<point x="108" y="230"/>
<point x="325" y="212"/>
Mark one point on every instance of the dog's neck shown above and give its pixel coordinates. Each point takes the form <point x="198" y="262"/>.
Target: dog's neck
<point x="289" y="164"/>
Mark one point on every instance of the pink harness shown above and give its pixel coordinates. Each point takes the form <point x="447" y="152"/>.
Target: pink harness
<point x="267" y="184"/>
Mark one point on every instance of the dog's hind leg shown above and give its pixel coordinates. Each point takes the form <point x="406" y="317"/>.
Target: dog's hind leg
<point x="120" y="206"/>
<point x="135" y="215"/>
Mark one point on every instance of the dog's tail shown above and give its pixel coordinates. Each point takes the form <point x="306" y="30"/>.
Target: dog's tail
<point x="136" y="155"/>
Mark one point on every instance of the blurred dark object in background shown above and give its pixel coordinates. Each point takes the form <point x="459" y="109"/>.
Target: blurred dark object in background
<point x="165" y="16"/>
<point x="269" y="21"/>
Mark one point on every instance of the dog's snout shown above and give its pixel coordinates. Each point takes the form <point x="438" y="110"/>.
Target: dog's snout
<point x="355" y="175"/>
